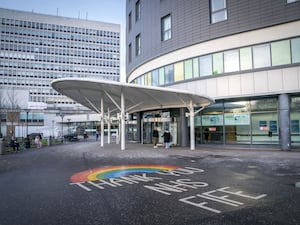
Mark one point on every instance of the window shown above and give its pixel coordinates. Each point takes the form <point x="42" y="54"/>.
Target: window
<point x="169" y="74"/>
<point x="281" y="53"/>
<point x="295" y="43"/>
<point x="196" y="67"/>
<point x="148" y="79"/>
<point x="291" y="1"/>
<point x="178" y="71"/>
<point x="261" y="56"/>
<point x="246" y="58"/>
<point x="218" y="10"/>
<point x="218" y="63"/>
<point x="166" y="28"/>
<point x="138" y="45"/>
<point x="129" y="22"/>
<point x="205" y="65"/>
<point x="129" y="53"/>
<point x="161" y="76"/>
<point x="155" y="77"/>
<point x="137" y="10"/>
<point x="188" y="69"/>
<point x="231" y="61"/>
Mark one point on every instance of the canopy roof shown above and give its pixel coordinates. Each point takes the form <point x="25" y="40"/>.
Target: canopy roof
<point x="89" y="93"/>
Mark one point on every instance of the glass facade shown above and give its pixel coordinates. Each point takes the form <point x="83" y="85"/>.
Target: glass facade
<point x="32" y="54"/>
<point x="236" y="122"/>
<point x="295" y="120"/>
<point x="239" y="122"/>
<point x="267" y="55"/>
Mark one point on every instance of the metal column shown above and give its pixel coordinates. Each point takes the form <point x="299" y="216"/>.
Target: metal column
<point x="108" y="126"/>
<point x="102" y="123"/>
<point x="192" y="125"/>
<point x="183" y="128"/>
<point x="284" y="122"/>
<point x="122" y="121"/>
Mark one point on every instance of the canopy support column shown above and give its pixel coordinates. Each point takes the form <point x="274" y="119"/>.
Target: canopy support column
<point x="108" y="126"/>
<point x="192" y="114"/>
<point x="102" y="124"/>
<point x="122" y="120"/>
<point x="192" y="125"/>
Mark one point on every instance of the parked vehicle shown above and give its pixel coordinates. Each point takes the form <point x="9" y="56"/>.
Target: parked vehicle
<point x="71" y="137"/>
<point x="33" y="135"/>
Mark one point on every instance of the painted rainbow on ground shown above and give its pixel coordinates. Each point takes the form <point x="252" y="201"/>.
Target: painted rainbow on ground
<point x="117" y="171"/>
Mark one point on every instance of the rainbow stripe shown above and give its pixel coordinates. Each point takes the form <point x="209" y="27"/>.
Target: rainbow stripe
<point x="117" y="171"/>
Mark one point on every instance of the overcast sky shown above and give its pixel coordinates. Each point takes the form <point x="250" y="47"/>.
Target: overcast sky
<point x="112" y="11"/>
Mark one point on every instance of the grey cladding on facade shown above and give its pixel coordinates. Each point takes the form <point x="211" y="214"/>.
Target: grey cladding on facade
<point x="191" y="23"/>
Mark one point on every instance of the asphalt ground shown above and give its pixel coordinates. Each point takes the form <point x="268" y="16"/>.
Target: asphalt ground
<point x="83" y="183"/>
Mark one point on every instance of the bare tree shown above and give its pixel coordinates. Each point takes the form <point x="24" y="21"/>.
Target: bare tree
<point x="13" y="110"/>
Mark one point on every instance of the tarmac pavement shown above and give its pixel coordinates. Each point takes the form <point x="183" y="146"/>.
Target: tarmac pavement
<point x="83" y="183"/>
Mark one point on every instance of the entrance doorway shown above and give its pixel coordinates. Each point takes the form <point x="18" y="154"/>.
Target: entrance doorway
<point x="148" y="128"/>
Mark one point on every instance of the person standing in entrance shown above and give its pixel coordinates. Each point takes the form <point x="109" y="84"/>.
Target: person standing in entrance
<point x="155" y="138"/>
<point x="167" y="138"/>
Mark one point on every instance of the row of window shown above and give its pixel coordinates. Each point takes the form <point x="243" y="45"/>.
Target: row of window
<point x="23" y="57"/>
<point x="24" y="82"/>
<point x="33" y="82"/>
<point x="21" y="73"/>
<point x="278" y="53"/>
<point x="71" y="62"/>
<point x="58" y="67"/>
<point x="53" y="75"/>
<point x="59" y="36"/>
<point x="54" y="99"/>
<point x="61" y="44"/>
<point x="52" y="52"/>
<point x="45" y="77"/>
<point x="60" y="28"/>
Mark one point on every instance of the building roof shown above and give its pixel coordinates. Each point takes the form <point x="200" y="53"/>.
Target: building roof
<point x="89" y="93"/>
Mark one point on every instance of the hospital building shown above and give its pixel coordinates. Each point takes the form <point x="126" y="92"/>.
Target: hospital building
<point x="243" y="54"/>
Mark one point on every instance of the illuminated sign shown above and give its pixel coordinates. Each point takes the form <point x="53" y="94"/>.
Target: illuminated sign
<point x="237" y="119"/>
<point x="212" y="120"/>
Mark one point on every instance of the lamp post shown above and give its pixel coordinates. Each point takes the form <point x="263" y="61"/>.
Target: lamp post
<point x="53" y="128"/>
<point x="69" y="126"/>
<point x="0" y="124"/>
<point x="62" y="126"/>
<point x="27" y="111"/>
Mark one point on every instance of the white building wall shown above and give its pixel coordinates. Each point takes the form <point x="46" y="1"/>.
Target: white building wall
<point x="250" y="84"/>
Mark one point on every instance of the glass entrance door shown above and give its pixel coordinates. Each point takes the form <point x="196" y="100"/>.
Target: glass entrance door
<point x="147" y="133"/>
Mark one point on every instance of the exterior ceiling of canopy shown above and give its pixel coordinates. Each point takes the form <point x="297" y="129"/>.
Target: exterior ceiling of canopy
<point x="90" y="92"/>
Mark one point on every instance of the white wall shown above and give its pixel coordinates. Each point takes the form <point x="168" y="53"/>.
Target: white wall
<point x="250" y="84"/>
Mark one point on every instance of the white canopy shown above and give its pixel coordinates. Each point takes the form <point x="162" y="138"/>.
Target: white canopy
<point x="126" y="98"/>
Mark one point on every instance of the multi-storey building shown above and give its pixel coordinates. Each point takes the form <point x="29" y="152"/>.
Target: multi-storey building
<point x="244" y="54"/>
<point x="37" y="48"/>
